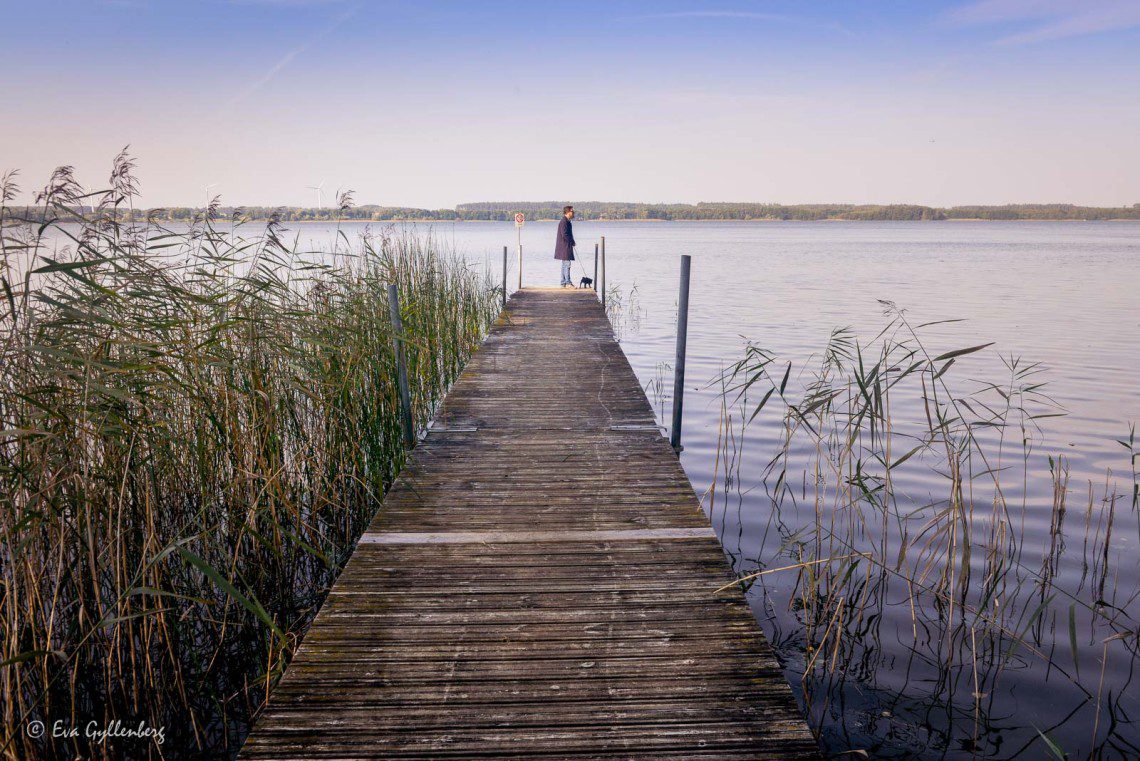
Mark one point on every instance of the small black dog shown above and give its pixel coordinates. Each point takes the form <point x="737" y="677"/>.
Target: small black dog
<point x="587" y="282"/>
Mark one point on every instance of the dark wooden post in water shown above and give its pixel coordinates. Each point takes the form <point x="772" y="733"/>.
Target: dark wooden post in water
<point x="603" y="275"/>
<point x="679" y="363"/>
<point x="595" y="267"/>
<point x="504" y="277"/>
<point x="401" y="368"/>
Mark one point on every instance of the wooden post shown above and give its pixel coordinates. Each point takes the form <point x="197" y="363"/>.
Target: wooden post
<point x="595" y="268"/>
<point x="401" y="368"/>
<point x="603" y="275"/>
<point x="504" y="277"/>
<point x="679" y="363"/>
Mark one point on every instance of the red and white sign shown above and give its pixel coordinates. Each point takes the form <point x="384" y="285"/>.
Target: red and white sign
<point x="519" y="219"/>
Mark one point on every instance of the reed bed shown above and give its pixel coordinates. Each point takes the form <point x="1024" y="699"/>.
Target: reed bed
<point x="912" y="611"/>
<point x="195" y="427"/>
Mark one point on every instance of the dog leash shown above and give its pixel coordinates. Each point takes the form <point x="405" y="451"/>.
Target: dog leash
<point x="580" y="267"/>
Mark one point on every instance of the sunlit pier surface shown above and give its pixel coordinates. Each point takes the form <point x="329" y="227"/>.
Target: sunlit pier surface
<point x="540" y="580"/>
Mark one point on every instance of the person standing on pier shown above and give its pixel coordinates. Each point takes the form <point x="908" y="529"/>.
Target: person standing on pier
<point x="564" y="245"/>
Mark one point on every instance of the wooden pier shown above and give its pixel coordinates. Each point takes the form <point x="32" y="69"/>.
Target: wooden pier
<point x="539" y="581"/>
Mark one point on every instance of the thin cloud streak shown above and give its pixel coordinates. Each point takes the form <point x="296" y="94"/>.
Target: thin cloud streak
<point x="1052" y="19"/>
<point x="288" y="57"/>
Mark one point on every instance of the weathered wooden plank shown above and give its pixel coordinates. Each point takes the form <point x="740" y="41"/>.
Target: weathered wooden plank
<point x="539" y="581"/>
<point x="514" y="537"/>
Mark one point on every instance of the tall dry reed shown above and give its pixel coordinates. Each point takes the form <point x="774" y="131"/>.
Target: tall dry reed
<point x="915" y="580"/>
<point x="195" y="427"/>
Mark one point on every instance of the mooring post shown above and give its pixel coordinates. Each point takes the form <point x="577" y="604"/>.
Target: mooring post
<point x="504" y="277"/>
<point x="679" y="363"/>
<point x="595" y="268"/>
<point x="401" y="368"/>
<point x="603" y="274"/>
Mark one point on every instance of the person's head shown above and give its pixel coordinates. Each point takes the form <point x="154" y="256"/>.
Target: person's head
<point x="568" y="212"/>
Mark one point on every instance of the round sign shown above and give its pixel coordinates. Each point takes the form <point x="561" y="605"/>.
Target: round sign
<point x="519" y="219"/>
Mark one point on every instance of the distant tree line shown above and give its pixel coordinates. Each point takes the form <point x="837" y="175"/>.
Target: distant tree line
<point x="797" y="212"/>
<point x="599" y="210"/>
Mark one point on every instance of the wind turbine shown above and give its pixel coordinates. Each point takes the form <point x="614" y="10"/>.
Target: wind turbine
<point x="320" y="193"/>
<point x="211" y="185"/>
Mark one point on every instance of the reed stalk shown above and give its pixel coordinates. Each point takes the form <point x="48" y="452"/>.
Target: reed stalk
<point x="196" y="425"/>
<point x="858" y="548"/>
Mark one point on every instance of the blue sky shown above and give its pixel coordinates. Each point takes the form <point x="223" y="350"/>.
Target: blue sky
<point x="434" y="103"/>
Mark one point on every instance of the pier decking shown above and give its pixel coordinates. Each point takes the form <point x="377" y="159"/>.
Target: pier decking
<point x="539" y="581"/>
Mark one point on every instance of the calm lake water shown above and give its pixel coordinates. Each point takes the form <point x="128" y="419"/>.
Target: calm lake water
<point x="914" y="680"/>
<point x="1042" y="665"/>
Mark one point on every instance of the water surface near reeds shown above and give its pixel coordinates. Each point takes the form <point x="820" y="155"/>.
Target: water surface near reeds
<point x="900" y="654"/>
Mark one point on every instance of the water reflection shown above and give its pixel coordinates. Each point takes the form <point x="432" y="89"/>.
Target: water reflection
<point x="889" y="558"/>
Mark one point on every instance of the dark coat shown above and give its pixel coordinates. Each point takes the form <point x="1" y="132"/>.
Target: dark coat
<point x="564" y="246"/>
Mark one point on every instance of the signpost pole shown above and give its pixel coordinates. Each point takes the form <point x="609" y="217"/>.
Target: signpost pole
<point x="519" y="218"/>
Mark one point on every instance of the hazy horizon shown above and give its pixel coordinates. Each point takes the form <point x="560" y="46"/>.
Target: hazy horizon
<point x="984" y="102"/>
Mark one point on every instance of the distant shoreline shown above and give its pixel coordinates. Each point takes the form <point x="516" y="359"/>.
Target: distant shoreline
<point x="674" y="221"/>
<point x="613" y="211"/>
<point x="419" y="220"/>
